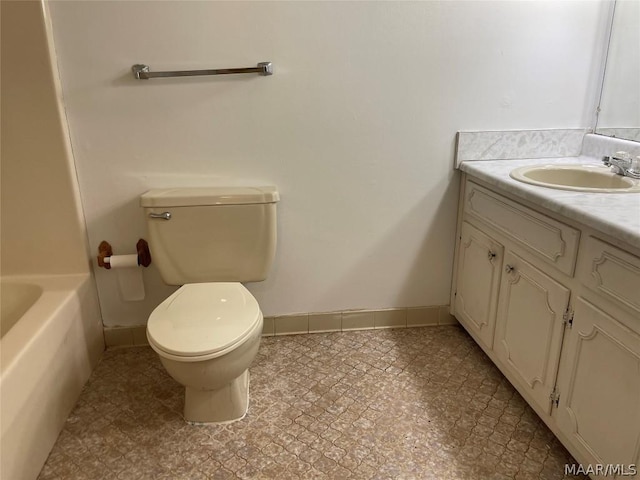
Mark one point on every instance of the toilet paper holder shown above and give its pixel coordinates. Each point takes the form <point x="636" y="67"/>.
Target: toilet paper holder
<point x="105" y="252"/>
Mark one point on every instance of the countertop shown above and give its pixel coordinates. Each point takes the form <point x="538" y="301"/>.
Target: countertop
<point x="616" y="214"/>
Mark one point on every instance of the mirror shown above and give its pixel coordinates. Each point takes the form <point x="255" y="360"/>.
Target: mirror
<point x="619" y="108"/>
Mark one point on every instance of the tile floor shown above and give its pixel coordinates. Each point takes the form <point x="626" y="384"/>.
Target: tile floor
<point x="420" y="403"/>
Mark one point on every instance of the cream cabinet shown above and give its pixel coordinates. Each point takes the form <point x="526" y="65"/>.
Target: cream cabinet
<point x="599" y="388"/>
<point x="558" y="311"/>
<point x="479" y="267"/>
<point x="599" y="379"/>
<point x="530" y="326"/>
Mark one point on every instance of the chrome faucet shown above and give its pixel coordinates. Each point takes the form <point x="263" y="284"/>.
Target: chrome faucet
<point x="622" y="164"/>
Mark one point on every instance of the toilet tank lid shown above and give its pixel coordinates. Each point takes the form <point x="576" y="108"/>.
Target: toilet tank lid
<point x="199" y="196"/>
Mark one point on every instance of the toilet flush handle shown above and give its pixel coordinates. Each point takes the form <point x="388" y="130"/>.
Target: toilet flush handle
<point x="163" y="215"/>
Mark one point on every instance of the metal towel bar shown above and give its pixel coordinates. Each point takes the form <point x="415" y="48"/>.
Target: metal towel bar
<point x="141" y="72"/>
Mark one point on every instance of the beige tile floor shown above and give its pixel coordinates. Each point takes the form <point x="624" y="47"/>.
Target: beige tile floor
<point x="420" y="403"/>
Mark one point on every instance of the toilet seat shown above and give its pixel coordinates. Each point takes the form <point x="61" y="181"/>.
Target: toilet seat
<point x="201" y="321"/>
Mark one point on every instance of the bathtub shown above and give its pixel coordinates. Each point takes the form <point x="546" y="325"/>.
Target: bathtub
<point x="51" y="340"/>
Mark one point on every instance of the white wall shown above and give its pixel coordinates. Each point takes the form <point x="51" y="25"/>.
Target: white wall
<point x="42" y="225"/>
<point x="356" y="127"/>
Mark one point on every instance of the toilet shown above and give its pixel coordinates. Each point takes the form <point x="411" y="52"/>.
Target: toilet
<point x="207" y="333"/>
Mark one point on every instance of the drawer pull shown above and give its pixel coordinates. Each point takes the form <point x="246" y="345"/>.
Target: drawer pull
<point x="509" y="269"/>
<point x="491" y="255"/>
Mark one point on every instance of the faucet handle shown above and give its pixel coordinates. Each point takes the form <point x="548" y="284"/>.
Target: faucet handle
<point x="619" y="160"/>
<point x="623" y="164"/>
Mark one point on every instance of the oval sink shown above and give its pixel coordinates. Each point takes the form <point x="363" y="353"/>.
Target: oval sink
<point x="582" y="178"/>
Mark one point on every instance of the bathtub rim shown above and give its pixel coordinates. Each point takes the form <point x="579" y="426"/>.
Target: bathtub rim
<point x="28" y="295"/>
<point x="57" y="291"/>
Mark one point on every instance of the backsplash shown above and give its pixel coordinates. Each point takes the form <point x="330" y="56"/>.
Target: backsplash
<point x="523" y="144"/>
<point x="599" y="146"/>
<point x="518" y="144"/>
<point x="625" y="133"/>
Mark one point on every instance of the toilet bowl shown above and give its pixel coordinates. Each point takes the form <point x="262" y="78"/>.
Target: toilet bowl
<point x="207" y="335"/>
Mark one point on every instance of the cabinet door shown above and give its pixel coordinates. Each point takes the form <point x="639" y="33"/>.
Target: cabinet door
<point x="599" y="386"/>
<point x="478" y="280"/>
<point x="530" y="327"/>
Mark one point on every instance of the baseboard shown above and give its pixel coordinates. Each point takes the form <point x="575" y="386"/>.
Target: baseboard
<point x="300" y="323"/>
<point x="349" y="320"/>
<point x="125" y="336"/>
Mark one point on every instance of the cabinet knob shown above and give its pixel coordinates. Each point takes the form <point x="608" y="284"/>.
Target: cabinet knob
<point x="509" y="268"/>
<point x="491" y="255"/>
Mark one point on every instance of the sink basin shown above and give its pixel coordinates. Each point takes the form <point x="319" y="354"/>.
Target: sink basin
<point x="582" y="178"/>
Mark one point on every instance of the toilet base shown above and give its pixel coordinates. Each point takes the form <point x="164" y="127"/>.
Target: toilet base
<point x="225" y="405"/>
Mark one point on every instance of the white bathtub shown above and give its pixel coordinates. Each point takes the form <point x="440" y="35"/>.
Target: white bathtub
<point x="51" y="340"/>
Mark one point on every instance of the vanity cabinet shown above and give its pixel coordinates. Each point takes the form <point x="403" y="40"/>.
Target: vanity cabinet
<point x="525" y="327"/>
<point x="479" y="267"/>
<point x="600" y="371"/>
<point x="558" y="311"/>
<point x="530" y="326"/>
<point x="599" y="388"/>
<point x="515" y="307"/>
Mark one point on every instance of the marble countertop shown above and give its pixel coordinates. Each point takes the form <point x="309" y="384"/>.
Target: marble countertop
<point x="616" y="214"/>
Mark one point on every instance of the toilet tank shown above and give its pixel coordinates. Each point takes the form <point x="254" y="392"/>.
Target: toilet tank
<point x="213" y="234"/>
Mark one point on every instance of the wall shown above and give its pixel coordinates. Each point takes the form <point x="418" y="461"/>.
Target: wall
<point x="356" y="127"/>
<point x="42" y="225"/>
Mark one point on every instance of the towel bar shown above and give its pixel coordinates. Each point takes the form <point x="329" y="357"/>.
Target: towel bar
<point x="141" y="72"/>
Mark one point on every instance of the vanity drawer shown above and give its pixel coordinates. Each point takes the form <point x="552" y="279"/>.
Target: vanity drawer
<point x="547" y="238"/>
<point x="611" y="272"/>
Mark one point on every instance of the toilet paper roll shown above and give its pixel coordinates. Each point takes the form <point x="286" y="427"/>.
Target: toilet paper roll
<point x="130" y="280"/>
<point x="122" y="261"/>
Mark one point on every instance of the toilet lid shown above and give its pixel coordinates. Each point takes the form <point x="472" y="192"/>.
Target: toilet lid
<point x="203" y="318"/>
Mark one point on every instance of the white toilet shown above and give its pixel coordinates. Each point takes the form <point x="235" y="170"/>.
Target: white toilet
<point x="208" y="332"/>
